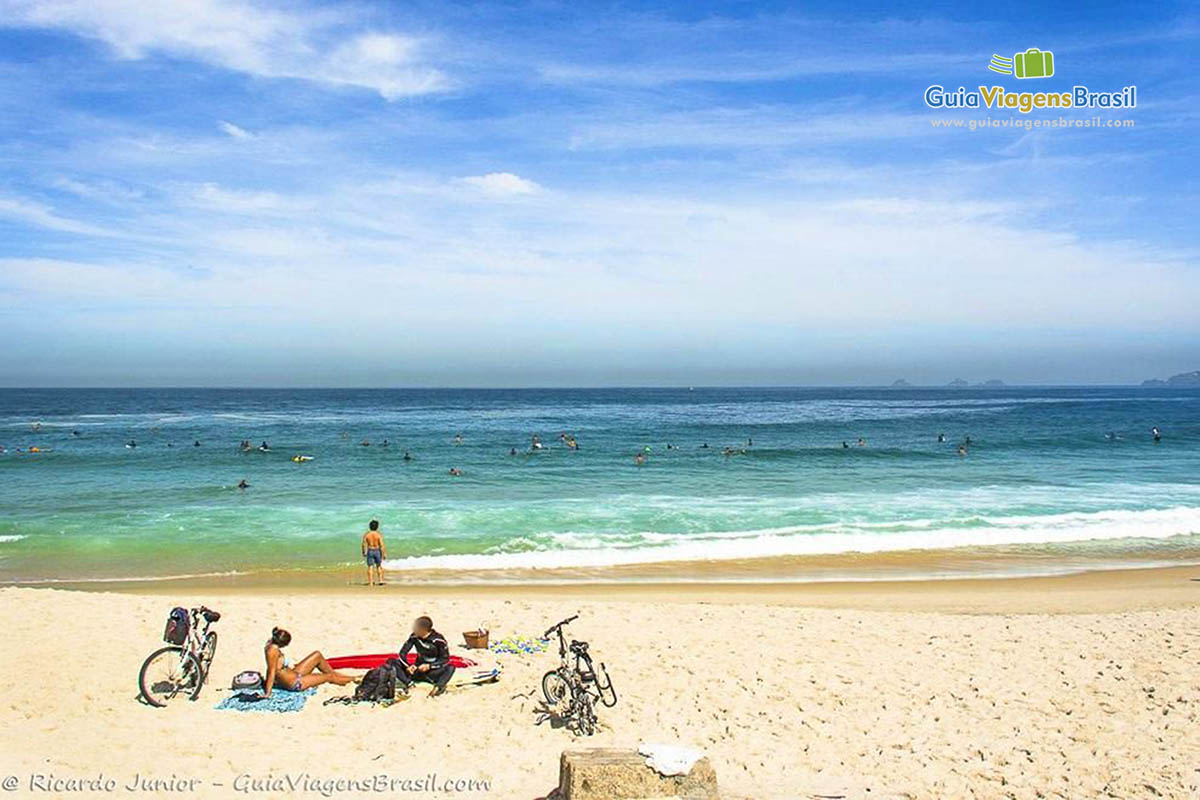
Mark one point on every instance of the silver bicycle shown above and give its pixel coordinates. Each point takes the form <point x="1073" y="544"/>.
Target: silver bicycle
<point x="180" y="670"/>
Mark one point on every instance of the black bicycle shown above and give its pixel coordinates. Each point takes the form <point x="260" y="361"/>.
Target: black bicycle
<point x="574" y="688"/>
<point x="179" y="670"/>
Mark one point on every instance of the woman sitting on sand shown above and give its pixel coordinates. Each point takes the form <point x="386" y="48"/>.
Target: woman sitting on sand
<point x="313" y="669"/>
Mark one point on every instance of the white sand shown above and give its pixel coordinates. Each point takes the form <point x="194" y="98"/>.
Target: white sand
<point x="786" y="701"/>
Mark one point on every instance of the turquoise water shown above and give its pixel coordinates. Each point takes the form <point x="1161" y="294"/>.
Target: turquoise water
<point x="1040" y="472"/>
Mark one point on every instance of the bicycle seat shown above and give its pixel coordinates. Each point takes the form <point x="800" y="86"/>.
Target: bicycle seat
<point x="578" y="647"/>
<point x="210" y="615"/>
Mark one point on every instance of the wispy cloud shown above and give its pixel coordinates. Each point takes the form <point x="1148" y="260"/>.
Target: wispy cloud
<point x="234" y="131"/>
<point x="42" y="216"/>
<point x="501" y="183"/>
<point x="253" y="38"/>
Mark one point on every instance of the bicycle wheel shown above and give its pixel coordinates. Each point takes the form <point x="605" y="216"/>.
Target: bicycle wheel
<point x="208" y="651"/>
<point x="169" y="673"/>
<point x="554" y="688"/>
<point x="586" y="716"/>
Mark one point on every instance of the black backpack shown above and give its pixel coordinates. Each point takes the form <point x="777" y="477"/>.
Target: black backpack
<point x="378" y="684"/>
<point x="178" y="623"/>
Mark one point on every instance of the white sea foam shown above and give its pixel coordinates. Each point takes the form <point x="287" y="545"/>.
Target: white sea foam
<point x="591" y="550"/>
<point x="16" y="537"/>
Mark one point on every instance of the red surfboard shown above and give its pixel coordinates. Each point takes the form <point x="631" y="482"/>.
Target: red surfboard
<point x="376" y="660"/>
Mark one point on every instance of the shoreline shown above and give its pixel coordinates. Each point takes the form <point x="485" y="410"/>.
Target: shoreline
<point x="1090" y="591"/>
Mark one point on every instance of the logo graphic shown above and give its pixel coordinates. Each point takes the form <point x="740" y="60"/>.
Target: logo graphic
<point x="1033" y="63"/>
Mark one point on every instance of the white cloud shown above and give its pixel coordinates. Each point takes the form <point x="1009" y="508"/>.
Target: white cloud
<point x="105" y="190"/>
<point x="235" y="131"/>
<point x="212" y="196"/>
<point x="242" y="36"/>
<point x="42" y="216"/>
<point x="502" y="183"/>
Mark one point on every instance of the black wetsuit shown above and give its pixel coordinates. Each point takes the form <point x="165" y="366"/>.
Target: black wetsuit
<point x="432" y="651"/>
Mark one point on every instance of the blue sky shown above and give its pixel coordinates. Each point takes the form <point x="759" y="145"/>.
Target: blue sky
<point x="232" y="193"/>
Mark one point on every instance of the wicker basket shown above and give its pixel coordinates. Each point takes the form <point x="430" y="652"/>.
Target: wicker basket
<point x="476" y="640"/>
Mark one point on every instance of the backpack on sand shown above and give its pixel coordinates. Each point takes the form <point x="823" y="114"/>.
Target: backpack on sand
<point x="247" y="680"/>
<point x="378" y="684"/>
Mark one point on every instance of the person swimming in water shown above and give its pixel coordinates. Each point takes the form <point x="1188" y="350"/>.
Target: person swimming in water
<point x="264" y="446"/>
<point x="312" y="670"/>
<point x="456" y="472"/>
<point x="535" y="442"/>
<point x="639" y="459"/>
<point x="364" y="443"/>
<point x="1156" y="434"/>
<point x="962" y="450"/>
<point x="458" y="439"/>
<point x="131" y="444"/>
<point x="941" y="438"/>
<point x="407" y="457"/>
<point x="512" y="451"/>
<point x="862" y="442"/>
<point x="242" y="484"/>
<point x="196" y="443"/>
<point x="384" y="443"/>
<point x="845" y="445"/>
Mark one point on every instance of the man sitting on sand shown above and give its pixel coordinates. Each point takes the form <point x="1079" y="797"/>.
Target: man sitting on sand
<point x="373" y="551"/>
<point x="433" y="658"/>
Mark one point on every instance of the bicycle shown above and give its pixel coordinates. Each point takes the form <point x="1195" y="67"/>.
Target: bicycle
<point x="180" y="670"/>
<point x="575" y="686"/>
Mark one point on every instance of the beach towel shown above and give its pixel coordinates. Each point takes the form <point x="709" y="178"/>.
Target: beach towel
<point x="280" y="701"/>
<point x="516" y="645"/>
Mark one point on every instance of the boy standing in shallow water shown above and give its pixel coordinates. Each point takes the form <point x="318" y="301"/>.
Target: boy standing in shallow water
<point x="374" y="551"/>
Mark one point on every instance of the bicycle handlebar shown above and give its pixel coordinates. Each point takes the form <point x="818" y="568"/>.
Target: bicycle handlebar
<point x="558" y="626"/>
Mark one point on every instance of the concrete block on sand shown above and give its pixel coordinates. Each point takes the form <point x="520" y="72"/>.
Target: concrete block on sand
<point x="604" y="773"/>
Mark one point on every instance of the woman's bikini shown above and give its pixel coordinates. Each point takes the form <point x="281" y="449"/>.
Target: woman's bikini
<point x="285" y="663"/>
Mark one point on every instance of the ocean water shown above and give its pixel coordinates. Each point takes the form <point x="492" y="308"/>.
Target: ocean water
<point x="1042" y="474"/>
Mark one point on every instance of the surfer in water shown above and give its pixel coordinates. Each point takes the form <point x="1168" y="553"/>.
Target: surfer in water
<point x="941" y="438"/>
<point x="1156" y="434"/>
<point x="374" y="551"/>
<point x="312" y="670"/>
<point x="455" y="472"/>
<point x="242" y="484"/>
<point x="407" y="457"/>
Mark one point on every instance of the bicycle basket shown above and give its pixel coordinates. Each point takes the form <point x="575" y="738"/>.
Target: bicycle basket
<point x="178" y="624"/>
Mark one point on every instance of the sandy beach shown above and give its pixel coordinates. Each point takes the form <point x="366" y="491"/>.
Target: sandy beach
<point x="1079" y="686"/>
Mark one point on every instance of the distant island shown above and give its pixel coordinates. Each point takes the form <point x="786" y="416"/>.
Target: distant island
<point x="901" y="384"/>
<point x="993" y="383"/>
<point x="958" y="383"/>
<point x="1182" y="379"/>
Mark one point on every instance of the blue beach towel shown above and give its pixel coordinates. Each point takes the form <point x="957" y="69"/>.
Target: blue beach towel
<point x="280" y="702"/>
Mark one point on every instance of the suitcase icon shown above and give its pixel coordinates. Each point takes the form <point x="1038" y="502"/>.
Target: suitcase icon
<point x="1033" y="63"/>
